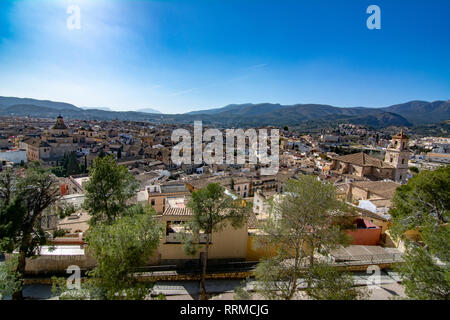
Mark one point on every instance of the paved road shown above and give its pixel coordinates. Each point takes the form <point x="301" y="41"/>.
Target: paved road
<point x="192" y="288"/>
<point x="223" y="289"/>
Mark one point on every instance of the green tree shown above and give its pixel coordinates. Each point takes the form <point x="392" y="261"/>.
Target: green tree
<point x="23" y="200"/>
<point x="87" y="291"/>
<point x="241" y="293"/>
<point x="64" y="161"/>
<point x="9" y="278"/>
<point x="212" y="210"/>
<point x="108" y="190"/>
<point x="423" y="204"/>
<point x="414" y="169"/>
<point x="303" y="226"/>
<point x="329" y="283"/>
<point x="423" y="276"/>
<point x="424" y="201"/>
<point x="102" y="154"/>
<point x="59" y="171"/>
<point x="69" y="166"/>
<point x="85" y="167"/>
<point x="120" y="248"/>
<point x="72" y="165"/>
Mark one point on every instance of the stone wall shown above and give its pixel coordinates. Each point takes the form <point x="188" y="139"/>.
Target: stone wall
<point x="57" y="263"/>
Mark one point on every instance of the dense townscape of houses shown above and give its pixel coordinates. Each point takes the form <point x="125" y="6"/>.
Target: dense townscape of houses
<point x="366" y="166"/>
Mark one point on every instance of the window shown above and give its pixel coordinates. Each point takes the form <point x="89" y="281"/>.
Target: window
<point x="239" y="189"/>
<point x="152" y="202"/>
<point x="403" y="161"/>
<point x="392" y="159"/>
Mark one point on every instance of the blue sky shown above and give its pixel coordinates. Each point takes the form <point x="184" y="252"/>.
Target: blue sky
<point x="178" y="56"/>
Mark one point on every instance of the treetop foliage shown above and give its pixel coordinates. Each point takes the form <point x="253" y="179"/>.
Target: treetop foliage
<point x="424" y="200"/>
<point x="23" y="198"/>
<point x="423" y="204"/>
<point x="211" y="208"/>
<point x="120" y="248"/>
<point x="108" y="190"/>
<point x="303" y="228"/>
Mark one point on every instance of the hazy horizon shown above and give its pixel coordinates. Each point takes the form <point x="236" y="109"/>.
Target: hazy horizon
<point x="181" y="56"/>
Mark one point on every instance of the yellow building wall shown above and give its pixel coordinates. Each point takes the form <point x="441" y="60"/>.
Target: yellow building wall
<point x="257" y="250"/>
<point x="390" y="242"/>
<point x="229" y="243"/>
<point x="384" y="225"/>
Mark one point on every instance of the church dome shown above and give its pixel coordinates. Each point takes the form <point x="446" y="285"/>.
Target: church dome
<point x="60" y="125"/>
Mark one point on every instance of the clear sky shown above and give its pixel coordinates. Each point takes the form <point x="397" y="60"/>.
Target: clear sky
<point x="178" y="56"/>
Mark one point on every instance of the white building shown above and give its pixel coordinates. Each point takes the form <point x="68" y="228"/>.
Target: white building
<point x="380" y="206"/>
<point x="15" y="156"/>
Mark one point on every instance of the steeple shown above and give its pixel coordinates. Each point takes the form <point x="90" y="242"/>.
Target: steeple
<point x="397" y="155"/>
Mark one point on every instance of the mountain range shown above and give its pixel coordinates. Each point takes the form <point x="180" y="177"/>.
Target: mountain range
<point x="12" y="101"/>
<point x="149" y="110"/>
<point x="249" y="114"/>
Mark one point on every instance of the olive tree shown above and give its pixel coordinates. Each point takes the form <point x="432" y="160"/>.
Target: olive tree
<point x="303" y="227"/>
<point x="24" y="196"/>
<point x="212" y="210"/>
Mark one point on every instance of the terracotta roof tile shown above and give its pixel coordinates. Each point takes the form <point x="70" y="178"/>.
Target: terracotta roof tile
<point x="385" y="189"/>
<point x="364" y="160"/>
<point x="172" y="211"/>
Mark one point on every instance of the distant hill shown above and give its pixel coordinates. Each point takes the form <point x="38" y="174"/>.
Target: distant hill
<point x="380" y="120"/>
<point x="422" y="112"/>
<point x="412" y="113"/>
<point x="230" y="107"/>
<point x="149" y="110"/>
<point x="82" y="114"/>
<point x="11" y="101"/>
<point x="98" y="108"/>
<point x="275" y="114"/>
<point x="32" y="110"/>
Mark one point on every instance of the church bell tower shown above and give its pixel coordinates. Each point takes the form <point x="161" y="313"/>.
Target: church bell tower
<point x="397" y="155"/>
